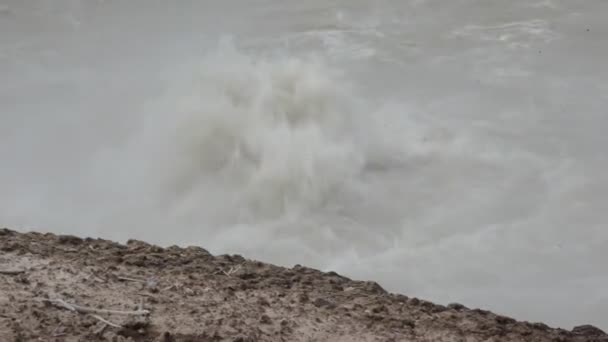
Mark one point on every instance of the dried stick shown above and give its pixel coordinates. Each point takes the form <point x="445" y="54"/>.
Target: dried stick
<point x="101" y="319"/>
<point x="56" y="332"/>
<point x="85" y="310"/>
<point x="12" y="272"/>
<point x="100" y="330"/>
<point x="131" y="279"/>
<point x="231" y="271"/>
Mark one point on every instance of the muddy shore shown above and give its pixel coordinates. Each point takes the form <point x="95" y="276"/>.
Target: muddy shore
<point x="65" y="288"/>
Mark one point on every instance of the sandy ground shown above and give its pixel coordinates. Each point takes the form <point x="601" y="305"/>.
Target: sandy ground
<point x="64" y="288"/>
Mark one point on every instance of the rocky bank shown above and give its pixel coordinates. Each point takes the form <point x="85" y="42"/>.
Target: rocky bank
<point x="65" y="288"/>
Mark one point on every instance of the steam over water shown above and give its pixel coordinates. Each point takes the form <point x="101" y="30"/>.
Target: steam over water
<point x="450" y="150"/>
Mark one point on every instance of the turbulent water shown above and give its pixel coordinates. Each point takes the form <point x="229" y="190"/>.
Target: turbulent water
<point x="450" y="150"/>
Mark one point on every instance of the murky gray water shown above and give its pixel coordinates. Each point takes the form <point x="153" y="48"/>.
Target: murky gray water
<point x="453" y="151"/>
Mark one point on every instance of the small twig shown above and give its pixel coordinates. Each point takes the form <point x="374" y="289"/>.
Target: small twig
<point x="85" y="310"/>
<point x="101" y="319"/>
<point x="63" y="304"/>
<point x="100" y="330"/>
<point x="11" y="272"/>
<point x="96" y="278"/>
<point x="56" y="332"/>
<point x="92" y="312"/>
<point x="231" y="271"/>
<point x="131" y="279"/>
<point x="170" y="287"/>
<point x="78" y="257"/>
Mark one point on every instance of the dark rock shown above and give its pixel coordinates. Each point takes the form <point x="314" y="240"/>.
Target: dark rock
<point x="167" y="337"/>
<point x="427" y="305"/>
<point x="226" y="257"/>
<point x="438" y="308"/>
<point x="135" y="260"/>
<point x="457" y="307"/>
<point x="401" y="298"/>
<point x="173" y="249"/>
<point x="156" y="249"/>
<point x="540" y="326"/>
<point x="409" y="323"/>
<point x="263" y="301"/>
<point x="379" y="309"/>
<point x="376" y="318"/>
<point x="242" y="339"/>
<point x="197" y="250"/>
<point x="373" y="287"/>
<point x="323" y="303"/>
<point x="6" y="232"/>
<point x="504" y="320"/>
<point x="481" y="312"/>
<point x="303" y="298"/>
<point x="10" y="247"/>
<point x="137" y="244"/>
<point x="588" y="330"/>
<point x="307" y="280"/>
<point x="69" y="240"/>
<point x="238" y="258"/>
<point x="245" y="275"/>
<point x="265" y="319"/>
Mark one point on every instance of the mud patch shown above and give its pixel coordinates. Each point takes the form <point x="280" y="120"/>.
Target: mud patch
<point x="64" y="288"/>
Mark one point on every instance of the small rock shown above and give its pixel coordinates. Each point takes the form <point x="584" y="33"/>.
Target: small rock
<point x="376" y="318"/>
<point x="263" y="301"/>
<point x="481" y="312"/>
<point x="427" y="305"/>
<point x="69" y="240"/>
<point x="166" y="337"/>
<point x="401" y="298"/>
<point x="246" y="275"/>
<point x="323" y="303"/>
<point x="438" y="308"/>
<point x="378" y="309"/>
<point x="303" y="297"/>
<point x="540" y="326"/>
<point x="373" y="287"/>
<point x="6" y="232"/>
<point x="457" y="307"/>
<point x="156" y="249"/>
<point x="197" y="250"/>
<point x="137" y="244"/>
<point x="265" y="319"/>
<point x="504" y="320"/>
<point x="22" y="279"/>
<point x="409" y="323"/>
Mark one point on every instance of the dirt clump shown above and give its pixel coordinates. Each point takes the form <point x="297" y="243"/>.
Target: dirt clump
<point x="65" y="288"/>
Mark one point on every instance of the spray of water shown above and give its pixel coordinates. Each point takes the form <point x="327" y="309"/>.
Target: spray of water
<point x="476" y="193"/>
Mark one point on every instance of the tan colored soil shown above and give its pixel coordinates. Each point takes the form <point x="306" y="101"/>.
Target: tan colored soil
<point x="187" y="294"/>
